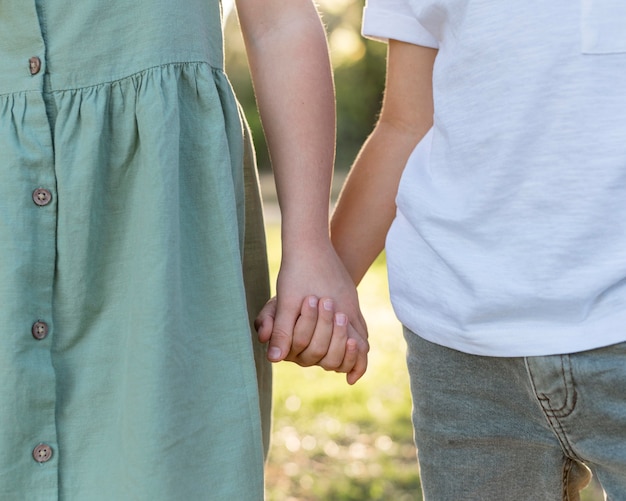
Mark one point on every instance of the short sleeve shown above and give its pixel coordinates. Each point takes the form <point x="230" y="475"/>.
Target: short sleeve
<point x="395" y="19"/>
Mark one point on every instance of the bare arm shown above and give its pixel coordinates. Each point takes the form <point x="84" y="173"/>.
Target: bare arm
<point x="366" y="206"/>
<point x="289" y="62"/>
<point x="290" y="68"/>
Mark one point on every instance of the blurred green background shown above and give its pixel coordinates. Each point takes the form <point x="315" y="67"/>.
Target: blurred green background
<point x="330" y="441"/>
<point x="359" y="67"/>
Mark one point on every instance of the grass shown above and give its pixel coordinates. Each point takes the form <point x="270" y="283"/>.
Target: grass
<point x="334" y="442"/>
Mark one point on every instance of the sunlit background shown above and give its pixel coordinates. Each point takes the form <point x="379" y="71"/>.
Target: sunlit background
<point x="359" y="67"/>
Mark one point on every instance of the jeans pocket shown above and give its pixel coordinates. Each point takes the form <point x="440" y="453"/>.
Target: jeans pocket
<point x="603" y="26"/>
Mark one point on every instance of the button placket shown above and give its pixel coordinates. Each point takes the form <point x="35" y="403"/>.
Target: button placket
<point x="30" y="186"/>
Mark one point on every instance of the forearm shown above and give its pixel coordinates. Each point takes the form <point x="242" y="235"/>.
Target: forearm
<point x="290" y="68"/>
<point x="291" y="72"/>
<point x="366" y="206"/>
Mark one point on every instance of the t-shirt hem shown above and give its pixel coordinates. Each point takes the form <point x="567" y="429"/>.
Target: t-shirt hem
<point x="520" y="341"/>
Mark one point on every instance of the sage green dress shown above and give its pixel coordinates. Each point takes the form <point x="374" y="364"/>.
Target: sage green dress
<point x="127" y="362"/>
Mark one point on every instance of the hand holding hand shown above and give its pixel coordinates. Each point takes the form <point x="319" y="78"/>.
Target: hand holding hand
<point x="328" y="332"/>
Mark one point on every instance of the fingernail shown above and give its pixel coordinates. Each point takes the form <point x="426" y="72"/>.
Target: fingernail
<point x="313" y="301"/>
<point x="328" y="305"/>
<point x="274" y="353"/>
<point x="341" y="319"/>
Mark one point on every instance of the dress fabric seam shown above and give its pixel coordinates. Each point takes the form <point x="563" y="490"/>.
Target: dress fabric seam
<point x="135" y="74"/>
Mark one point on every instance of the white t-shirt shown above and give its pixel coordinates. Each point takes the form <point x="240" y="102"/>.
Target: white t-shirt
<point x="510" y="234"/>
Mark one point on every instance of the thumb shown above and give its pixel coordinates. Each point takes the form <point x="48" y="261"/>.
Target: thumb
<point x="264" y="322"/>
<point x="282" y="333"/>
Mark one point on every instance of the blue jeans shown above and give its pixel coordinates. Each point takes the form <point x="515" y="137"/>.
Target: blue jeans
<point x="518" y="429"/>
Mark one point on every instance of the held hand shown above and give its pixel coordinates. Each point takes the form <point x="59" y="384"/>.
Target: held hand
<point x="320" y="338"/>
<point x="329" y="333"/>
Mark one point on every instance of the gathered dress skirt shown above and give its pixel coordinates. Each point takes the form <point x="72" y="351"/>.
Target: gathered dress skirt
<point x="132" y="257"/>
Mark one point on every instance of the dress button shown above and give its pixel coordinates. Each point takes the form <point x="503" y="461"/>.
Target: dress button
<point x="35" y="65"/>
<point x="40" y="330"/>
<point x="42" y="453"/>
<point x="41" y="196"/>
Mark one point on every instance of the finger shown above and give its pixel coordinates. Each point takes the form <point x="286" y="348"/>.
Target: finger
<point x="315" y="346"/>
<point x="335" y="356"/>
<point x="358" y="323"/>
<point x="282" y="332"/>
<point x="350" y="358"/>
<point x="360" y="366"/>
<point x="305" y="327"/>
<point x="264" y="322"/>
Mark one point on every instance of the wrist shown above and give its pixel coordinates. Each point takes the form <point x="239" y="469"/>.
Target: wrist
<point x="307" y="242"/>
<point x="306" y="229"/>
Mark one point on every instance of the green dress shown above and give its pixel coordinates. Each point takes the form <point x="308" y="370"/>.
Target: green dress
<point x="127" y="362"/>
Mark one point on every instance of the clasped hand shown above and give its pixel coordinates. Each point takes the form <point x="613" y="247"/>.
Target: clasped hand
<point x="325" y="330"/>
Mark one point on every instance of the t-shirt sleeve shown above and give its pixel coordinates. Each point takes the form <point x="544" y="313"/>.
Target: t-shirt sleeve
<point x="395" y="19"/>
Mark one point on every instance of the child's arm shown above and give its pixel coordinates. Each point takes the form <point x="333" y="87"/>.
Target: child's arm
<point x="366" y="206"/>
<point x="290" y="68"/>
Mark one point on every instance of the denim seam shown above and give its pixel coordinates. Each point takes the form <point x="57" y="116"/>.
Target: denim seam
<point x="569" y="402"/>
<point x="553" y="415"/>
<point x="567" y="469"/>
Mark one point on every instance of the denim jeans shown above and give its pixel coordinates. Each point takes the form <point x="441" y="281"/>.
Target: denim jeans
<point x="489" y="428"/>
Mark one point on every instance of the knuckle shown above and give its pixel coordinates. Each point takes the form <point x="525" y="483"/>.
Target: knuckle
<point x="279" y="334"/>
<point x="303" y="361"/>
<point x="298" y="345"/>
<point x="334" y="366"/>
<point x="315" y="353"/>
